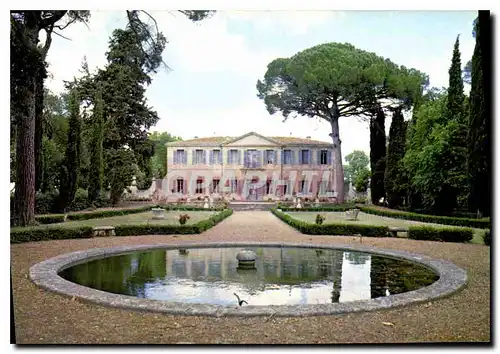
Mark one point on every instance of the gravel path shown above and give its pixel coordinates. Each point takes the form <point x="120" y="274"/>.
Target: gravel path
<point x="45" y="318"/>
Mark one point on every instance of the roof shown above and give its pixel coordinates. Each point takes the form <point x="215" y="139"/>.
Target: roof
<point x="220" y="140"/>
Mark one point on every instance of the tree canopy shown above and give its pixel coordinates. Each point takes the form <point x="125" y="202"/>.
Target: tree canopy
<point x="334" y="80"/>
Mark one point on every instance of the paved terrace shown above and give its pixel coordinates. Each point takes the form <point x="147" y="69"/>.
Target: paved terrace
<point x="43" y="317"/>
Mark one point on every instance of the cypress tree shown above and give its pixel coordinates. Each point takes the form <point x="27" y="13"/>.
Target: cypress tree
<point x="96" y="149"/>
<point x="479" y="133"/>
<point x="393" y="178"/>
<point x="456" y="86"/>
<point x="71" y="163"/>
<point x="377" y="155"/>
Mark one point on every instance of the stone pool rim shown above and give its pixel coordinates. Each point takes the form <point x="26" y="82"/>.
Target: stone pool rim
<point x="45" y="275"/>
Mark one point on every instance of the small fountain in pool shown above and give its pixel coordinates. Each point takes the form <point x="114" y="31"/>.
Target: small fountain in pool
<point x="246" y="259"/>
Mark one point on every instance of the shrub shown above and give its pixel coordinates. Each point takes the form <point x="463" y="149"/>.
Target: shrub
<point x="183" y="218"/>
<point x="50" y="219"/>
<point x="487" y="238"/>
<point x="45" y="233"/>
<point x="446" y="220"/>
<point x="332" y="229"/>
<point x="45" y="202"/>
<point x="448" y="234"/>
<point x="319" y="219"/>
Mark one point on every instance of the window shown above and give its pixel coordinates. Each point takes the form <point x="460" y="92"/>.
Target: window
<point x="285" y="189"/>
<point x="268" y="186"/>
<point x="302" y="186"/>
<point x="323" y="157"/>
<point x="179" y="186"/>
<point x="179" y="157"/>
<point x="305" y="157"/>
<point x="270" y="157"/>
<point x="233" y="186"/>
<point x="216" y="157"/>
<point x="252" y="158"/>
<point x="199" y="157"/>
<point x="287" y="154"/>
<point x="215" y="185"/>
<point x="233" y="157"/>
<point x="199" y="188"/>
<point x="322" y="187"/>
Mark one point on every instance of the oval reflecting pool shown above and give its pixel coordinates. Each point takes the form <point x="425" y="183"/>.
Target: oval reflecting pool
<point x="280" y="275"/>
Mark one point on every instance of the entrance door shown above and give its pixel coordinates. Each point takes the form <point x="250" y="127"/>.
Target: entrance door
<point x="253" y="193"/>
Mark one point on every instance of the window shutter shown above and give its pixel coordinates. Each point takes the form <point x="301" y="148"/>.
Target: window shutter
<point x="246" y="157"/>
<point x="263" y="158"/>
<point x="204" y="153"/>
<point x="282" y="157"/>
<point x="309" y="157"/>
<point x="238" y="160"/>
<point x="211" y="157"/>
<point x="318" y="157"/>
<point x="193" y="156"/>
<point x="175" y="157"/>
<point x="329" y="157"/>
<point x="300" y="157"/>
<point x="294" y="157"/>
<point x="184" y="158"/>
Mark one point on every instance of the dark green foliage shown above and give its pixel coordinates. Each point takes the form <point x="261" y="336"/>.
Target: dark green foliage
<point x="71" y="164"/>
<point x="50" y="219"/>
<point x="332" y="229"/>
<point x="46" y="233"/>
<point x="362" y="180"/>
<point x="377" y="155"/>
<point x="120" y="168"/>
<point x="96" y="175"/>
<point x="443" y="235"/>
<point x="445" y="220"/>
<point x="456" y="96"/>
<point x="394" y="174"/>
<point x="487" y="238"/>
<point x="340" y="207"/>
<point x="107" y="213"/>
<point x="160" y="152"/>
<point x="479" y="138"/>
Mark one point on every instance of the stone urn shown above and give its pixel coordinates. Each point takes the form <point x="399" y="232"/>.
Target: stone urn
<point x="299" y="203"/>
<point x="206" y="205"/>
<point x="246" y="259"/>
<point x="316" y="202"/>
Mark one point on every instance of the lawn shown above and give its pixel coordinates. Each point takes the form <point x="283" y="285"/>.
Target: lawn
<point x="370" y="219"/>
<point x="171" y="217"/>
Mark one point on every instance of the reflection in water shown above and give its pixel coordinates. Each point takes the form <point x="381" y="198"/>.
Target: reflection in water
<point x="282" y="276"/>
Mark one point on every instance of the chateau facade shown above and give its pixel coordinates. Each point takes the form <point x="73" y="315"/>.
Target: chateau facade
<point x="251" y="167"/>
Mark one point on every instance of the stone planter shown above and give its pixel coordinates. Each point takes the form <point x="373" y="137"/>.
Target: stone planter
<point x="158" y="213"/>
<point x="352" y="214"/>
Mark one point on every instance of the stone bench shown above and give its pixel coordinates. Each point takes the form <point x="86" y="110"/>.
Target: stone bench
<point x="394" y="230"/>
<point x="103" y="231"/>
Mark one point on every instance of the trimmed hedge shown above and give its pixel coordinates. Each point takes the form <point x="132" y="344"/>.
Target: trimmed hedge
<point x="339" y="208"/>
<point x="107" y="213"/>
<point x="435" y="219"/>
<point x="45" y="233"/>
<point x="332" y="229"/>
<point x="57" y="218"/>
<point x="50" y="219"/>
<point x="32" y="234"/>
<point x="487" y="238"/>
<point x="445" y="234"/>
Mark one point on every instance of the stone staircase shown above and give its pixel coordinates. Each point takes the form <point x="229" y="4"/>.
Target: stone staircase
<point x="250" y="206"/>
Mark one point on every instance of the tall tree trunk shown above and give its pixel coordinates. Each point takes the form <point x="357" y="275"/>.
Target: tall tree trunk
<point x="377" y="155"/>
<point x="39" y="127"/>
<point x="338" y="168"/>
<point x="24" y="195"/>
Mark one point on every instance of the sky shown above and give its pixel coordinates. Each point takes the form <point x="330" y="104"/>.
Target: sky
<point x="210" y="88"/>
